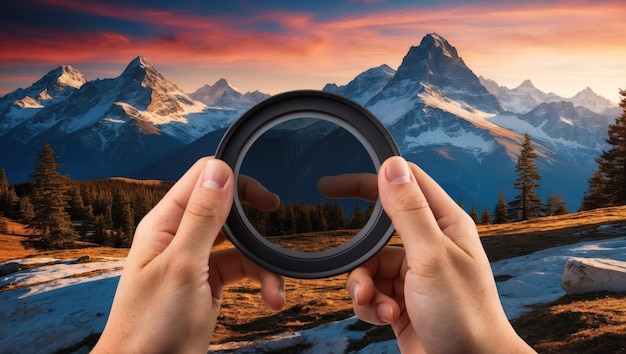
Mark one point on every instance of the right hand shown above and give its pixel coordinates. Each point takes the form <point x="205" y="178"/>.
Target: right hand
<point x="438" y="292"/>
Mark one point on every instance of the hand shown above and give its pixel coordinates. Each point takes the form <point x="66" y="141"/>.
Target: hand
<point x="438" y="292"/>
<point x="168" y="297"/>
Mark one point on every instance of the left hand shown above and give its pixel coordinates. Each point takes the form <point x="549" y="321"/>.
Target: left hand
<point x="169" y="294"/>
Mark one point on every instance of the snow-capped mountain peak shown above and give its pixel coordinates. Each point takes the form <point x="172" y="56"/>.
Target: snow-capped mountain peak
<point x="436" y="41"/>
<point x="224" y="95"/>
<point x="589" y="99"/>
<point x="54" y="87"/>
<point x="526" y="97"/>
<point x="70" y="76"/>
<point x="365" y="85"/>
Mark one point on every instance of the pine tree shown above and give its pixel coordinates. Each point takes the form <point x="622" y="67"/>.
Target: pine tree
<point x="289" y="226"/>
<point x="4" y="226"/>
<point x="276" y="221"/>
<point x="5" y="206"/>
<point x="607" y="186"/>
<point x="527" y="204"/>
<point x="486" y="218"/>
<point x="556" y="205"/>
<point x="25" y="211"/>
<point x="123" y="219"/>
<point x="501" y="213"/>
<point x="49" y="203"/>
<point x="357" y="219"/>
<point x="303" y="218"/>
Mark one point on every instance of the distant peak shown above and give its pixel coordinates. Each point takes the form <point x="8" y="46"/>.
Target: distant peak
<point x="587" y="90"/>
<point x="527" y="83"/>
<point x="223" y="84"/>
<point x="65" y="75"/>
<point x="385" y="68"/>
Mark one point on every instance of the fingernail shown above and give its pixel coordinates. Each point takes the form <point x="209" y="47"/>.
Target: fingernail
<point x="398" y="171"/>
<point x="214" y="175"/>
<point x="354" y="290"/>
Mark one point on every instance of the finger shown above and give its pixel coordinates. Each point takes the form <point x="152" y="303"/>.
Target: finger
<point x="417" y="207"/>
<point x="349" y="185"/>
<point x="376" y="287"/>
<point x="156" y="230"/>
<point x="452" y="220"/>
<point x="229" y="266"/>
<point x="253" y="192"/>
<point x="205" y="212"/>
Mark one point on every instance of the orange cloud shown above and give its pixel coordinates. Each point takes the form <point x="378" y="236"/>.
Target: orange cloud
<point x="500" y="41"/>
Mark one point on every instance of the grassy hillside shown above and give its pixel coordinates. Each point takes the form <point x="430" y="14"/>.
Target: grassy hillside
<point x="588" y="323"/>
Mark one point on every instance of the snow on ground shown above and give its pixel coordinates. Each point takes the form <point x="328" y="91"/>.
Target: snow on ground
<point x="57" y="305"/>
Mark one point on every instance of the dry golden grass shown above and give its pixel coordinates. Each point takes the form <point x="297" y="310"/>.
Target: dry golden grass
<point x="589" y="323"/>
<point x="139" y="181"/>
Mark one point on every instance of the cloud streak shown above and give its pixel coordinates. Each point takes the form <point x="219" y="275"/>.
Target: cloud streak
<point x="488" y="37"/>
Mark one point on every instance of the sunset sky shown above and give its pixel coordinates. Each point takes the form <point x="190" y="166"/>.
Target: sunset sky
<point x="280" y="45"/>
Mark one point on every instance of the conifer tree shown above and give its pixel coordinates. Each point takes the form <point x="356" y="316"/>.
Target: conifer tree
<point x="607" y="186"/>
<point x="5" y="206"/>
<point x="289" y="226"/>
<point x="527" y="204"/>
<point x="49" y="201"/>
<point x="556" y="205"/>
<point x="123" y="219"/>
<point x="486" y="218"/>
<point x="303" y="217"/>
<point x="501" y="213"/>
<point x="357" y="219"/>
<point x="25" y="211"/>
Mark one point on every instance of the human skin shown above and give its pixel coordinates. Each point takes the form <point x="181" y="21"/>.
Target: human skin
<point x="438" y="291"/>
<point x="169" y="294"/>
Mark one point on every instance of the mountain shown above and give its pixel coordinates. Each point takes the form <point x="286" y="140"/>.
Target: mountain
<point x="54" y="87"/>
<point x="444" y="119"/>
<point x="521" y="99"/>
<point x="526" y="97"/>
<point x="222" y="94"/>
<point x="106" y="127"/>
<point x="592" y="101"/>
<point x="463" y="130"/>
<point x="365" y="85"/>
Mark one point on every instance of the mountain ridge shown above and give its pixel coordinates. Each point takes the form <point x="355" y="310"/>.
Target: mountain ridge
<point x="442" y="115"/>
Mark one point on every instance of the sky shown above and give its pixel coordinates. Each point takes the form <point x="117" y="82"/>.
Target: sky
<point x="280" y="45"/>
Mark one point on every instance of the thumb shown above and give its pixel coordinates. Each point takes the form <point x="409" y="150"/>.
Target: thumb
<point x="206" y="211"/>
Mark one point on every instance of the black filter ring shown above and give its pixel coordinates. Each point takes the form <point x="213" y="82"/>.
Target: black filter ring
<point x="304" y="103"/>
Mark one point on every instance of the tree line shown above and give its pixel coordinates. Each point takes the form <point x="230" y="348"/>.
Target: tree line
<point x="107" y="211"/>
<point x="61" y="211"/>
<point x="303" y="217"/>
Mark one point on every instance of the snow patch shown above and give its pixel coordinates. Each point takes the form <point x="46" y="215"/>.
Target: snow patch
<point x="536" y="278"/>
<point x="462" y="139"/>
<point x="61" y="307"/>
<point x="566" y="121"/>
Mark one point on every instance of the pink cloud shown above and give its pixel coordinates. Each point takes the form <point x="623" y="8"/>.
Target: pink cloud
<point x="488" y="38"/>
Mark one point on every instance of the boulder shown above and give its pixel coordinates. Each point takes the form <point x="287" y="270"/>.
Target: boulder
<point x="8" y="268"/>
<point x="586" y="275"/>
